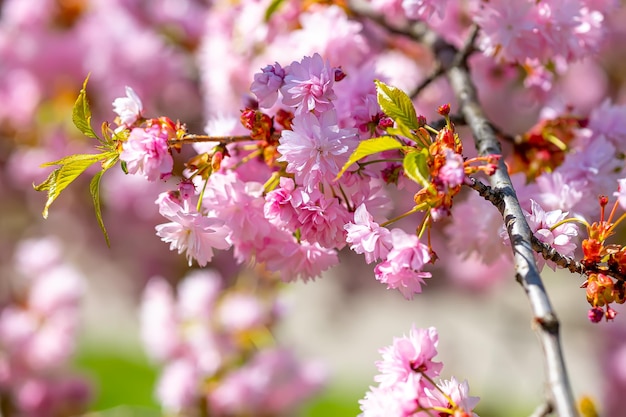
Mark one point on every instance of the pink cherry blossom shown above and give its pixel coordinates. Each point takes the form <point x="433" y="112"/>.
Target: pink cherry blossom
<point x="316" y="148"/>
<point x="409" y="355"/>
<point x="128" y="108"/>
<point x="399" y="400"/>
<point x="322" y="220"/>
<point x="278" y="207"/>
<point x="457" y="391"/>
<point x="146" y="152"/>
<point x="309" y="85"/>
<point x="402" y="270"/>
<point x="191" y="232"/>
<point x="541" y="223"/>
<point x="267" y="83"/>
<point x="452" y="173"/>
<point x="367" y="237"/>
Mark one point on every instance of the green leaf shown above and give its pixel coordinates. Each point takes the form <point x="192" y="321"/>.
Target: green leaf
<point x="71" y="167"/>
<point x="415" y="166"/>
<point x="81" y="114"/>
<point x="94" y="189"/>
<point x="369" y="147"/>
<point x="272" y="8"/>
<point x="397" y="105"/>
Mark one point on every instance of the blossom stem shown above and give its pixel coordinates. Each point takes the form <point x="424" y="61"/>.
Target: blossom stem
<point x="613" y="211"/>
<point x="201" y="196"/>
<point x="570" y="220"/>
<point x="446" y="396"/>
<point x="402" y="216"/>
<point x="345" y="198"/>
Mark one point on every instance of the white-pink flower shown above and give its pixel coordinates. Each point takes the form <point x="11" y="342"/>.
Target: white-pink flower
<point x="191" y="232"/>
<point x="541" y="223"/>
<point x="128" y="108"/>
<point x="316" y="148"/>
<point x="453" y="389"/>
<point x="146" y="152"/>
<point x="367" y="237"/>
<point x="402" y="270"/>
<point x="309" y="85"/>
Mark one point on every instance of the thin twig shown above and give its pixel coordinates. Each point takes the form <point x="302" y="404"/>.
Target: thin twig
<point x="434" y="74"/>
<point x="543" y="410"/>
<point x="519" y="232"/>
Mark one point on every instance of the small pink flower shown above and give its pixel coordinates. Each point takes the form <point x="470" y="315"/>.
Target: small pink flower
<point x="452" y="173"/>
<point x="309" y="85"/>
<point x="316" y="148"/>
<point x="146" y="152"/>
<point x="455" y="390"/>
<point x="190" y="231"/>
<point x="279" y="208"/>
<point x="267" y="83"/>
<point x="128" y="108"/>
<point x="540" y="223"/>
<point x="367" y="237"/>
<point x="322" y="220"/>
<point x="408" y="356"/>
<point x="402" y="269"/>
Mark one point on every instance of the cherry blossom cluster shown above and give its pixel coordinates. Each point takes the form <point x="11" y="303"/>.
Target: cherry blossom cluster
<point x="216" y="348"/>
<point x="406" y="386"/>
<point x="265" y="179"/>
<point x="38" y="332"/>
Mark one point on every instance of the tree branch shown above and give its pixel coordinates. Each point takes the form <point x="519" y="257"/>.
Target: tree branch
<point x="527" y="274"/>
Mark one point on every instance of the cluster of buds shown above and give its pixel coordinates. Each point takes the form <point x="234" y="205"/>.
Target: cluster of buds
<point x="448" y="168"/>
<point x="544" y="146"/>
<point x="606" y="266"/>
<point x="262" y="129"/>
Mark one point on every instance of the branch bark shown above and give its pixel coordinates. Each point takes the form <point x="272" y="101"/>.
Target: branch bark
<point x="453" y="62"/>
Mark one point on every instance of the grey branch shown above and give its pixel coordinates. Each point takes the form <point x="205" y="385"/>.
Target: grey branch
<point x="545" y="250"/>
<point x="527" y="274"/>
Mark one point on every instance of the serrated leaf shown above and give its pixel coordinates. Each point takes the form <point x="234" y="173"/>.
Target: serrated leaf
<point x="74" y="158"/>
<point x="94" y="189"/>
<point x="81" y="114"/>
<point x="272" y="8"/>
<point x="369" y="147"/>
<point x="415" y="166"/>
<point x="397" y="105"/>
<point x="71" y="167"/>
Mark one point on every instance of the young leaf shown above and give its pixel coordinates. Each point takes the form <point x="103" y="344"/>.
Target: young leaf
<point x="94" y="189"/>
<point x="369" y="147"/>
<point x="71" y="167"/>
<point x="415" y="166"/>
<point x="81" y="114"/>
<point x="272" y="8"/>
<point x="397" y="105"/>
